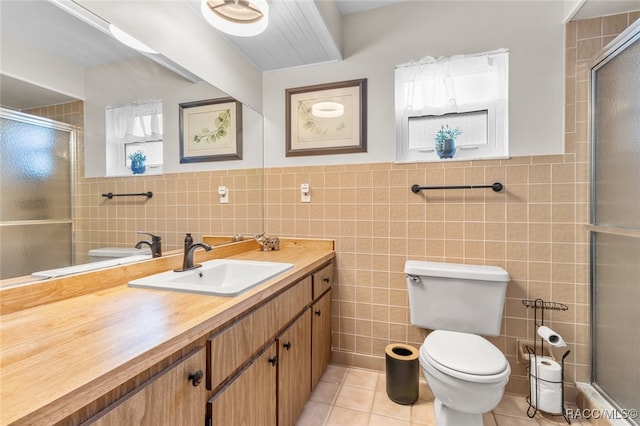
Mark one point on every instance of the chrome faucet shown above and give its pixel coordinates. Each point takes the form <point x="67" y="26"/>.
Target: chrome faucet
<point x="155" y="245"/>
<point x="187" y="263"/>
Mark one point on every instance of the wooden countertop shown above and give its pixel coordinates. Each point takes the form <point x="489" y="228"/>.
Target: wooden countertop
<point x="57" y="357"/>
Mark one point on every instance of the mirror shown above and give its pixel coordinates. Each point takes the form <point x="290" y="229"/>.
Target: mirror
<point x="70" y="84"/>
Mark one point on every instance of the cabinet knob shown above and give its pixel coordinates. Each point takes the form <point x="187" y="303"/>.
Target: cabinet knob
<point x="196" y="377"/>
<point x="287" y="345"/>
<point x="273" y="360"/>
<point x="318" y="313"/>
<point x="326" y="279"/>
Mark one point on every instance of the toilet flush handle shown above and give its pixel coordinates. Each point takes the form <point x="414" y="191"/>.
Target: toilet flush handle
<point x="414" y="278"/>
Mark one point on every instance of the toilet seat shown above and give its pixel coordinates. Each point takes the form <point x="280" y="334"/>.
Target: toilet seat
<point x="465" y="356"/>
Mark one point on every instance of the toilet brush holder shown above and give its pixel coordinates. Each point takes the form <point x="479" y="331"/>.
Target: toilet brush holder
<point x="403" y="370"/>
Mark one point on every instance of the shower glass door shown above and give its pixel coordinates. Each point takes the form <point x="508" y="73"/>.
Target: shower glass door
<point x="615" y="221"/>
<point x="36" y="227"/>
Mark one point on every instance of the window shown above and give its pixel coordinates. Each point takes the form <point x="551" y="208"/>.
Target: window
<point x="467" y="92"/>
<point x="130" y="128"/>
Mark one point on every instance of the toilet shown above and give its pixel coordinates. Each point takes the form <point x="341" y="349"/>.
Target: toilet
<point x="106" y="253"/>
<point x="460" y="303"/>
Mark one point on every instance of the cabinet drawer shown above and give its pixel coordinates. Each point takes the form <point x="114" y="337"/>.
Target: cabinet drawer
<point x="234" y="346"/>
<point x="171" y="398"/>
<point x="322" y="280"/>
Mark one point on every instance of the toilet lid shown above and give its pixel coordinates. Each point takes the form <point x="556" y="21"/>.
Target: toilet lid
<point x="466" y="353"/>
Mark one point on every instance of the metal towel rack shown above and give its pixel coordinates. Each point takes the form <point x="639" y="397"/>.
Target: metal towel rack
<point x="110" y="195"/>
<point x="497" y="187"/>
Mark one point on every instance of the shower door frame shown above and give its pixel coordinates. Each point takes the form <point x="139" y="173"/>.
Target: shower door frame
<point x="611" y="51"/>
<point x="65" y="127"/>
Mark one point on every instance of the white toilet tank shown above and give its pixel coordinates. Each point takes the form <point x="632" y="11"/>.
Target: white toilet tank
<point x="456" y="297"/>
<point x="105" y="253"/>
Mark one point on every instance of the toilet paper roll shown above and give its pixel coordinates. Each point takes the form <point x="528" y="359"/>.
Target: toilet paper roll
<point x="551" y="337"/>
<point x="546" y="384"/>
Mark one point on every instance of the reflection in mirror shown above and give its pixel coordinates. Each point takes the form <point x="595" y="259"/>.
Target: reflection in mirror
<point x="134" y="138"/>
<point x="220" y="240"/>
<point x="35" y="180"/>
<point x="68" y="82"/>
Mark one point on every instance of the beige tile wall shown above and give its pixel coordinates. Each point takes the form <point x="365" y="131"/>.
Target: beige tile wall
<point x="70" y="113"/>
<point x="181" y="202"/>
<point x="533" y="229"/>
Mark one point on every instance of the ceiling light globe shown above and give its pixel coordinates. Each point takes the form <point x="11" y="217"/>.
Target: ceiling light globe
<point x="239" y="18"/>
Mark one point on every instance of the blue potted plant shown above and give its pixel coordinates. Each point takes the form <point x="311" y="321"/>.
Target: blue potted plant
<point x="138" y="162"/>
<point x="446" y="141"/>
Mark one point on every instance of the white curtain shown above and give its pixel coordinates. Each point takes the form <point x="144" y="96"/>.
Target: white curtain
<point x="436" y="86"/>
<point x="137" y="122"/>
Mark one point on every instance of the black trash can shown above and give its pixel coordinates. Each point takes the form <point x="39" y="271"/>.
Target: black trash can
<point x="403" y="371"/>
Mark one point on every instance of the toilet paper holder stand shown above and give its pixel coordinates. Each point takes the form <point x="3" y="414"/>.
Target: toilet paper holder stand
<point x="540" y="306"/>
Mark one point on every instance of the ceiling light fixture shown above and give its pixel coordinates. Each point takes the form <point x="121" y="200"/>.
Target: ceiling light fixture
<point x="243" y="18"/>
<point x="129" y="40"/>
<point x="327" y="109"/>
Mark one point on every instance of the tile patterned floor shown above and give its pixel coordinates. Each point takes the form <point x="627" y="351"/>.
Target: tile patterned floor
<point x="355" y="397"/>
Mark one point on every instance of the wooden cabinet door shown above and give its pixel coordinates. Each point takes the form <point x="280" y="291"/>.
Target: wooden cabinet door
<point x="252" y="332"/>
<point x="294" y="369"/>
<point x="170" y="398"/>
<point x="320" y="337"/>
<point x="250" y="399"/>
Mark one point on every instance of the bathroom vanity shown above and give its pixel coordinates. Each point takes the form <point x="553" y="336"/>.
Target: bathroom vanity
<point x="118" y="355"/>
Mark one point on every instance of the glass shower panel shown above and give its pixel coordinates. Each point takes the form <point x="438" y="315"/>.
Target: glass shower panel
<point x="36" y="225"/>
<point x="34" y="247"/>
<point x="616" y="130"/>
<point x="34" y="172"/>
<point x="617" y="334"/>
<point x="615" y="221"/>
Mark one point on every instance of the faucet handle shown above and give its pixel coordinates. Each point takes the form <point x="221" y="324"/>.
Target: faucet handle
<point x="155" y="237"/>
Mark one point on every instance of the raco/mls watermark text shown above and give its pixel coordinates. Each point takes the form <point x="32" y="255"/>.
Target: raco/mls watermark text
<point x="598" y="413"/>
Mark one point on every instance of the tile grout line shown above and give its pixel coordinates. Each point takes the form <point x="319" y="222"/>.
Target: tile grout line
<point x="335" y="397"/>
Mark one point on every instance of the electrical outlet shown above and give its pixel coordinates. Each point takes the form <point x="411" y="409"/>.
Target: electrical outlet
<point x="522" y="355"/>
<point x="305" y="193"/>
<point x="223" y="192"/>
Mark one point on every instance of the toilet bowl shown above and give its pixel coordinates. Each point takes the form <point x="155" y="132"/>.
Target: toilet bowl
<point x="467" y="375"/>
<point x="461" y="303"/>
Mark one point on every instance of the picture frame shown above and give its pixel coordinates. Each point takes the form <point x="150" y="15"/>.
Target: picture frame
<point x="210" y="130"/>
<point x="328" y="118"/>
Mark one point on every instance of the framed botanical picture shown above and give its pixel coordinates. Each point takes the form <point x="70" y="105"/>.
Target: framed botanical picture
<point x="327" y="118"/>
<point x="210" y="130"/>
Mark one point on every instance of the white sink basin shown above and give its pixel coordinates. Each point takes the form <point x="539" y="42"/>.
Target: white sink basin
<point x="220" y="277"/>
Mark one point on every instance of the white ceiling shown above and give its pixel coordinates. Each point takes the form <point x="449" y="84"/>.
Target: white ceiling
<point x="595" y="8"/>
<point x="45" y="27"/>
<point x="297" y="36"/>
<point x="354" y="6"/>
<point x="48" y="28"/>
